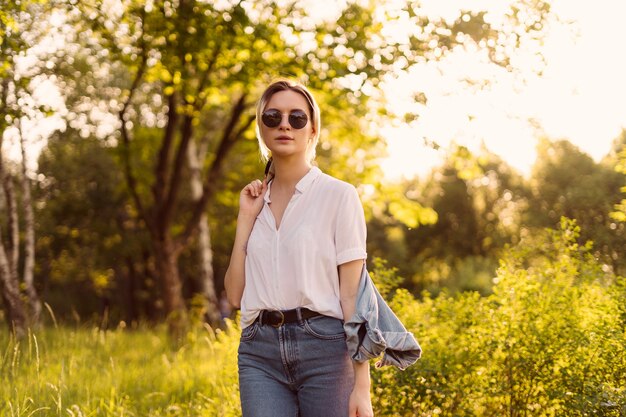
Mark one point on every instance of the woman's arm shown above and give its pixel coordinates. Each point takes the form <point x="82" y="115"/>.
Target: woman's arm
<point x="250" y="204"/>
<point x="234" y="280"/>
<point x="360" y="400"/>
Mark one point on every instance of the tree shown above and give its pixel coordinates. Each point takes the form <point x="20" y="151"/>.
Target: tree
<point x="567" y="182"/>
<point x="19" y="106"/>
<point x="479" y="201"/>
<point x="187" y="73"/>
<point x="92" y="251"/>
<point x="15" y="312"/>
<point x="204" y="88"/>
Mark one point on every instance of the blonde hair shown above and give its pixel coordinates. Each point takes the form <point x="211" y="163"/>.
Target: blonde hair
<point x="288" y="85"/>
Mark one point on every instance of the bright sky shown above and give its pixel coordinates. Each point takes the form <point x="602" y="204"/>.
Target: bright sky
<point x="580" y="96"/>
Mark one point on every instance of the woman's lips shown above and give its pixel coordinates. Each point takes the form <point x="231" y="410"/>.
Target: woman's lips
<point x="284" y="138"/>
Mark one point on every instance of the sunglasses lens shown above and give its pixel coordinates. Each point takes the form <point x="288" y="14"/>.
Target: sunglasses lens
<point x="271" y="118"/>
<point x="298" y="119"/>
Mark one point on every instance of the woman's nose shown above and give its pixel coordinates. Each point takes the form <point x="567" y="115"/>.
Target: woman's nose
<point x="284" y="122"/>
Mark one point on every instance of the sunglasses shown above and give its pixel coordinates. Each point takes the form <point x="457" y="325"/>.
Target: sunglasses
<point x="272" y="118"/>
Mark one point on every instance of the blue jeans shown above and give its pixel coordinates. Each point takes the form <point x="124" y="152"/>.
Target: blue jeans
<point x="298" y="369"/>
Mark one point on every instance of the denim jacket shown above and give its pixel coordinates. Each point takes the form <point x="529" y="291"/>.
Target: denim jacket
<point x="375" y="329"/>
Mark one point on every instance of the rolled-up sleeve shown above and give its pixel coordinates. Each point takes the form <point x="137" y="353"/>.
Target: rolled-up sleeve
<point x="350" y="229"/>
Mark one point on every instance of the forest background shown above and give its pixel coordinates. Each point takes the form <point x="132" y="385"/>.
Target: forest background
<point x="128" y="132"/>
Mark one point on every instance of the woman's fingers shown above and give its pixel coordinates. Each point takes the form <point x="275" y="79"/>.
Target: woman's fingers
<point x="255" y="188"/>
<point x="258" y="186"/>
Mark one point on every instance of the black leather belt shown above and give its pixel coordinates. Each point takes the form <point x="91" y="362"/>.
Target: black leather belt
<point x="277" y="318"/>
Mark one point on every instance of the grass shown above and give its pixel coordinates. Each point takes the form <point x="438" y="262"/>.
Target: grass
<point x="91" y="372"/>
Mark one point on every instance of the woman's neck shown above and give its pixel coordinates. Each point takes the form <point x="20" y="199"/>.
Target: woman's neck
<point x="288" y="173"/>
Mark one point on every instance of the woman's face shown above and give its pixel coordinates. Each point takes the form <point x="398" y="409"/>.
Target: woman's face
<point x="284" y="140"/>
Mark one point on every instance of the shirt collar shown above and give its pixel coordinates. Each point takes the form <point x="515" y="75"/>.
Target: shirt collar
<point x="306" y="181"/>
<point x="302" y="185"/>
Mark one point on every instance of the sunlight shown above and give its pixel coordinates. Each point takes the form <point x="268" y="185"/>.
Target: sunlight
<point x="579" y="96"/>
<point x="411" y="155"/>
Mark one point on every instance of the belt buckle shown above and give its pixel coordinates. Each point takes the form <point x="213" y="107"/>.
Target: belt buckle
<point x="282" y="319"/>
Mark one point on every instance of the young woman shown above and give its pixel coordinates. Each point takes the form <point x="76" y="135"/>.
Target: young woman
<point x="294" y="272"/>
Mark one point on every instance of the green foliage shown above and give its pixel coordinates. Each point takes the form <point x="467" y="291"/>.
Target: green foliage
<point x="469" y="273"/>
<point x="386" y="279"/>
<point x="567" y="182"/>
<point x="87" y="235"/>
<point x="479" y="201"/>
<point x="482" y="205"/>
<point x="549" y="341"/>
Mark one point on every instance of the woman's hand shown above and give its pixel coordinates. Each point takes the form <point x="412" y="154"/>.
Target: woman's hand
<point x="251" y="198"/>
<point x="360" y="404"/>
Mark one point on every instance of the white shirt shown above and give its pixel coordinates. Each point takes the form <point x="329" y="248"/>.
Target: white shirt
<point x="296" y="265"/>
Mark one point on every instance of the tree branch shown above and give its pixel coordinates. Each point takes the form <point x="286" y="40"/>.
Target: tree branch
<point x="227" y="141"/>
<point x="165" y="215"/>
<point x="12" y="224"/>
<point x="131" y="180"/>
<point x="159" y="187"/>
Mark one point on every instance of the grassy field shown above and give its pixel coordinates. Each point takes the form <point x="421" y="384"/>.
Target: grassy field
<point x="90" y="372"/>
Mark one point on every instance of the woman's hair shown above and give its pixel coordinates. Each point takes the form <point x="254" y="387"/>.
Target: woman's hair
<point x="287" y="85"/>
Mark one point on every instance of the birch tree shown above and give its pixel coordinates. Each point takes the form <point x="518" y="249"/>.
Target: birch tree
<point x="15" y="313"/>
<point x="34" y="302"/>
<point x="23" y="25"/>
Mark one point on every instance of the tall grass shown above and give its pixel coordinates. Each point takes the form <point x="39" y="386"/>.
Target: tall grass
<point x="90" y="372"/>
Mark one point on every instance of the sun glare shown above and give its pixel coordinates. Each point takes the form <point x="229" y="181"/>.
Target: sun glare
<point x="578" y="97"/>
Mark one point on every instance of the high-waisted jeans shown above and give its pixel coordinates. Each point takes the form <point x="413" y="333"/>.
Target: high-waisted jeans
<point x="298" y="369"/>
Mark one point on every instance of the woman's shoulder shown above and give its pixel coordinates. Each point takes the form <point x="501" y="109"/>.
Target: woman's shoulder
<point x="335" y="185"/>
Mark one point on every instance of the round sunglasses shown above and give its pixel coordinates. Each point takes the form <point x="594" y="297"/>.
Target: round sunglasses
<point x="272" y="118"/>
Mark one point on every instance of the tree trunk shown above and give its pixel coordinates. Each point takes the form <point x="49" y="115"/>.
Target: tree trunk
<point x="171" y="286"/>
<point x="149" y="305"/>
<point x="29" y="244"/>
<point x="205" y="251"/>
<point x="131" y="302"/>
<point x="13" y="226"/>
<point x="15" y="314"/>
<point x="16" y="318"/>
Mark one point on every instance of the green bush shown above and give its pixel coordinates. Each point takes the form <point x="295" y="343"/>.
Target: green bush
<point x="549" y="341"/>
